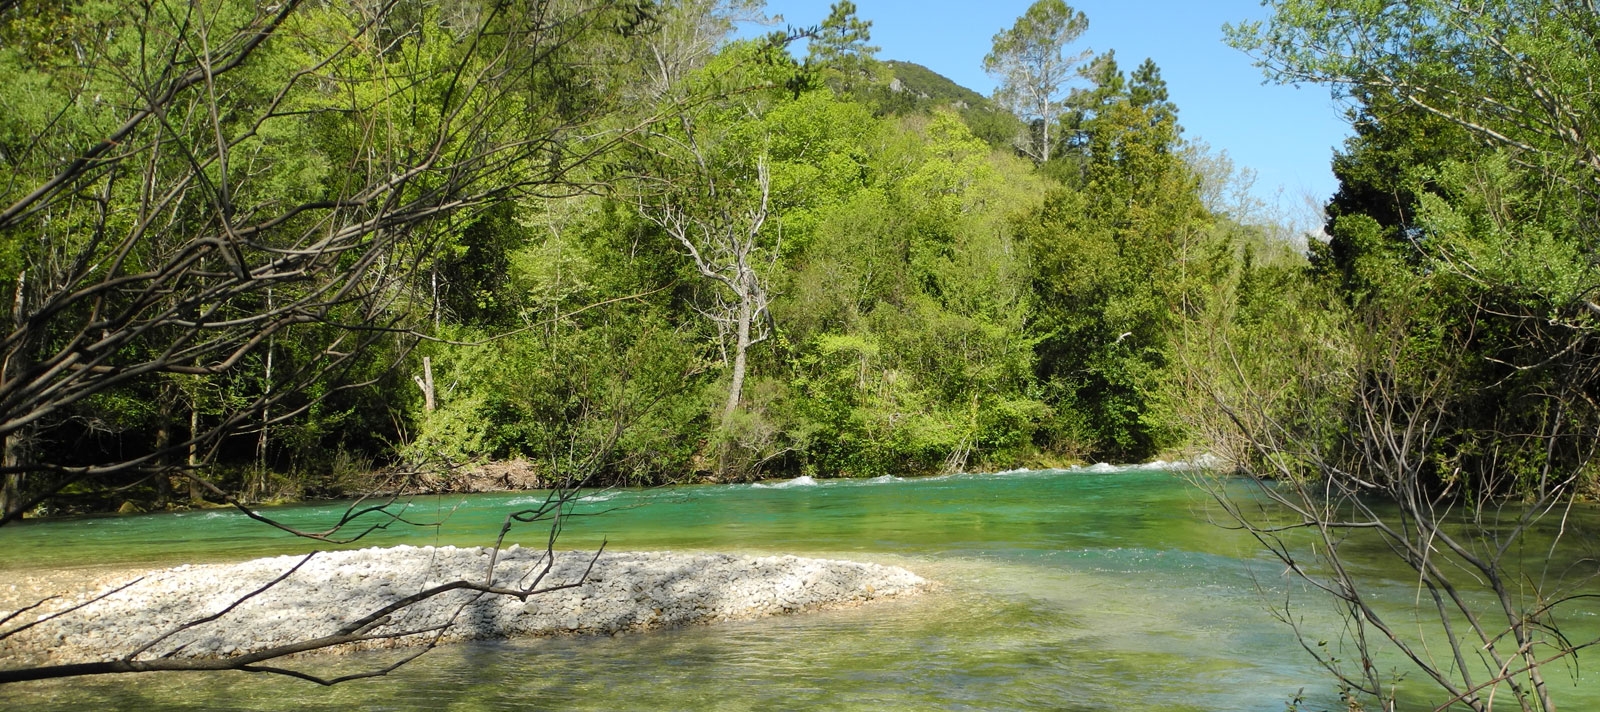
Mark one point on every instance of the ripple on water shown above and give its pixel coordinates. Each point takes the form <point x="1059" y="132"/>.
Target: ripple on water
<point x="801" y="481"/>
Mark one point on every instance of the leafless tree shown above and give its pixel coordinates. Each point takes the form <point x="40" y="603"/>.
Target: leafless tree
<point x="710" y="191"/>
<point x="720" y="223"/>
<point x="1336" y="447"/>
<point x="690" y="33"/>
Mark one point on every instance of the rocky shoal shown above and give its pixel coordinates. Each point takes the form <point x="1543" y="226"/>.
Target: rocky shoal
<point x="621" y="592"/>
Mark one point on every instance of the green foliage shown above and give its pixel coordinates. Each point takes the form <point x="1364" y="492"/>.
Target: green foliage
<point x="1492" y="70"/>
<point x="606" y="400"/>
<point x="255" y="226"/>
<point x="938" y="302"/>
<point x="911" y="89"/>
<point x="902" y="341"/>
<point x="924" y="84"/>
<point x="1456" y="231"/>
<point x="1112" y="252"/>
<point x="1263" y="347"/>
<point x="472" y="280"/>
<point x="1462" y="376"/>
<point x="909" y="311"/>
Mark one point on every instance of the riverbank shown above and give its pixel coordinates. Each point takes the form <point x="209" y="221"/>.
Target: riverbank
<point x="495" y="476"/>
<point x="622" y="592"/>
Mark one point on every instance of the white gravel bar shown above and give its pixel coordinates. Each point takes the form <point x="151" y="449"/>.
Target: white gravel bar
<point x="623" y="592"/>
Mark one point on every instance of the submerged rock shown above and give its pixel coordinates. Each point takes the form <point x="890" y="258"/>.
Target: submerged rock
<point x="622" y="591"/>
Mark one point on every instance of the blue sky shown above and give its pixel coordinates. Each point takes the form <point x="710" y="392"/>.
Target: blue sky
<point x="1286" y="134"/>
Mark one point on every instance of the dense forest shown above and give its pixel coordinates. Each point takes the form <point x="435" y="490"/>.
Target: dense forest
<point x="787" y="257"/>
<point x="642" y="250"/>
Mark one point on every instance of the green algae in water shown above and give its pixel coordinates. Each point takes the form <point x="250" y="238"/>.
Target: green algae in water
<point x="1058" y="590"/>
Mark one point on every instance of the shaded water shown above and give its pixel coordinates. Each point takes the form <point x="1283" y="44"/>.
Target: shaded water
<point x="1063" y="590"/>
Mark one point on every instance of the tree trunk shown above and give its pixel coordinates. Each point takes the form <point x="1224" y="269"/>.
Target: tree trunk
<point x="741" y="346"/>
<point x="266" y="408"/>
<point x="425" y="382"/>
<point x="1046" y="151"/>
<point x="11" y="488"/>
<point x="194" y="453"/>
<point x="164" y="408"/>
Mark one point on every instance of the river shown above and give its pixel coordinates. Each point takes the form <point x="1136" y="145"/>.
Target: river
<point x="1090" y="589"/>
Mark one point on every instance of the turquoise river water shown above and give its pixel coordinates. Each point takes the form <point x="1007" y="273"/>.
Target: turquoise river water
<point x="1096" y="589"/>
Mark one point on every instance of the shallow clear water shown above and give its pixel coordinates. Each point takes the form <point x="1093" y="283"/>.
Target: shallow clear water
<point x="1062" y="590"/>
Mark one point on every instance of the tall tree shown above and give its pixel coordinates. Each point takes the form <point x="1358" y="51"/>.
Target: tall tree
<point x="719" y="217"/>
<point x="1148" y="89"/>
<point x="1108" y="249"/>
<point x="1033" y="72"/>
<point x="710" y="188"/>
<point x="841" y="47"/>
